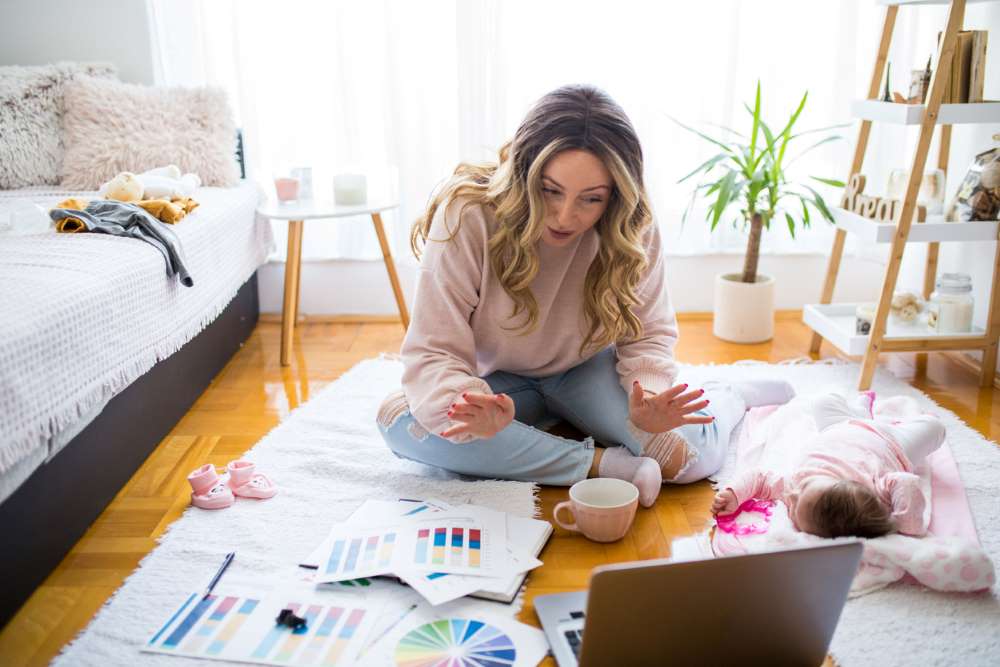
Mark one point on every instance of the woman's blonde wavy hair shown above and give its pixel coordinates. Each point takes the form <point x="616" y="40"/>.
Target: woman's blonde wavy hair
<point x="571" y="117"/>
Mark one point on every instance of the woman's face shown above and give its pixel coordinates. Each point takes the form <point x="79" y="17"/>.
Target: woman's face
<point x="576" y="187"/>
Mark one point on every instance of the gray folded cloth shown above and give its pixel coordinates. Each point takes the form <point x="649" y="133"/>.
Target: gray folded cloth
<point x="120" y="219"/>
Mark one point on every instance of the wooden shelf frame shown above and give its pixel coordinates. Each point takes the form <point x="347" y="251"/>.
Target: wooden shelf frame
<point x="930" y="117"/>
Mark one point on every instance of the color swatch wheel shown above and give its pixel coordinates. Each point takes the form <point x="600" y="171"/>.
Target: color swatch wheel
<point x="455" y="642"/>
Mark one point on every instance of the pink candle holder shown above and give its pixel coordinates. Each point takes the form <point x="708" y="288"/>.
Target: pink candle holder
<point x="287" y="189"/>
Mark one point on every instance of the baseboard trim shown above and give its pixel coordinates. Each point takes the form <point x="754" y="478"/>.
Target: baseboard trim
<point x="971" y="364"/>
<point x="701" y="316"/>
<point x="334" y="319"/>
<point x="693" y="316"/>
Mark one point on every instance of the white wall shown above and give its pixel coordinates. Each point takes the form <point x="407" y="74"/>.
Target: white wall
<point x="37" y="32"/>
<point x="356" y="287"/>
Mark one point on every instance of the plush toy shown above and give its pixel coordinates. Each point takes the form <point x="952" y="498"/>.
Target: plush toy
<point x="906" y="306"/>
<point x="126" y="187"/>
<point x="168" y="211"/>
<point x="160" y="183"/>
<point x="164" y="192"/>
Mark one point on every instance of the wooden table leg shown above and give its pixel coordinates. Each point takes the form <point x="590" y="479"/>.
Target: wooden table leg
<point x="290" y="306"/>
<point x="390" y="268"/>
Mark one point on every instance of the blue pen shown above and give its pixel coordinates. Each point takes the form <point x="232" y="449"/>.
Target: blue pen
<point x="218" y="575"/>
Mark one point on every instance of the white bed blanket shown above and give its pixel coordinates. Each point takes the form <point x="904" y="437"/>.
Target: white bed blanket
<point x="84" y="315"/>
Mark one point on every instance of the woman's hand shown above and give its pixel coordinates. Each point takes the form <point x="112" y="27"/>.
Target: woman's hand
<point x="480" y="415"/>
<point x="725" y="502"/>
<point x="667" y="410"/>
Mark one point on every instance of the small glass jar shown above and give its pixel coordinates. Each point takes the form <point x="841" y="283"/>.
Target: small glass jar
<point x="949" y="309"/>
<point x="930" y="195"/>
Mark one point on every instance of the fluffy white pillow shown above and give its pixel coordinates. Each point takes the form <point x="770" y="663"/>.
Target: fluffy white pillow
<point x="31" y="148"/>
<point x="110" y="127"/>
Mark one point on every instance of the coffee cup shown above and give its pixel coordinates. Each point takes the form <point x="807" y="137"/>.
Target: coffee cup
<point x="602" y="508"/>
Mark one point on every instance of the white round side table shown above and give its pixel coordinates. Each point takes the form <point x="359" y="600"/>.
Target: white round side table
<point x="296" y="213"/>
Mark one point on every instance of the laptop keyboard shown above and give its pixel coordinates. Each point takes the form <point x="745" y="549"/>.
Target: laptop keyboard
<point x="575" y="637"/>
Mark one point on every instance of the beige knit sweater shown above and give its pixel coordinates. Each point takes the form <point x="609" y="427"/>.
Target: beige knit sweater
<point x="461" y="327"/>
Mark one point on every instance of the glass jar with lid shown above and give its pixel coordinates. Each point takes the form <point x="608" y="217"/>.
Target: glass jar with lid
<point x="950" y="306"/>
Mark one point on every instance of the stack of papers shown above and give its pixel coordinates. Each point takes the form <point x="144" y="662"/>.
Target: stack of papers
<point x="444" y="552"/>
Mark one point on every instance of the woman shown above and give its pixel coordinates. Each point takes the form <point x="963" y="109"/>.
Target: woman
<point x="542" y="294"/>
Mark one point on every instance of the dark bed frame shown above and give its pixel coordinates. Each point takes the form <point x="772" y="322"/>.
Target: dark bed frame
<point x="52" y="509"/>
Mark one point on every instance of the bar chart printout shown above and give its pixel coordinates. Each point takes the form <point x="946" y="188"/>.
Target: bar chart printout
<point x="468" y="540"/>
<point x="243" y="628"/>
<point x="355" y="552"/>
<point x="452" y="542"/>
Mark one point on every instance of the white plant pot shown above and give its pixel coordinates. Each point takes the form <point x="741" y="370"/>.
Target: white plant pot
<point x="743" y="312"/>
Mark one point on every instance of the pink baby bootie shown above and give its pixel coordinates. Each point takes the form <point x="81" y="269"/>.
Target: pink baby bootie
<point x="247" y="483"/>
<point x="209" y="491"/>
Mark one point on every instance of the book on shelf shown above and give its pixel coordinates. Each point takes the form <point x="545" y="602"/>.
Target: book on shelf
<point x="960" y="67"/>
<point x="977" y="65"/>
<point x="968" y="64"/>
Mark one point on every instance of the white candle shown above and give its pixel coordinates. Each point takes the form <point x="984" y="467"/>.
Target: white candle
<point x="952" y="314"/>
<point x="350" y="189"/>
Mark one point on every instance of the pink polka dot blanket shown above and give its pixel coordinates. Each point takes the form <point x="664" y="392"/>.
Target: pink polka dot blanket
<point x="948" y="558"/>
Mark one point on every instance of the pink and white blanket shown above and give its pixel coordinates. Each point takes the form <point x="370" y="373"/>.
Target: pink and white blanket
<point x="948" y="558"/>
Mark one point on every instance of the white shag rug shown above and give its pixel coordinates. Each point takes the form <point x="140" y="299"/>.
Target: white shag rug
<point x="327" y="457"/>
<point x="331" y="449"/>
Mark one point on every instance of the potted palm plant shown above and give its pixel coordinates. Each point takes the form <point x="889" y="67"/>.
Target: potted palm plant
<point x="749" y="174"/>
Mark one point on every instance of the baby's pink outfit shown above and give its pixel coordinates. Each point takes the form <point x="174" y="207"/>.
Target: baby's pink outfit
<point x="880" y="453"/>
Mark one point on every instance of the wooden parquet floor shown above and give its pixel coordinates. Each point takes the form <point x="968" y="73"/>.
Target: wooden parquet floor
<point x="253" y="393"/>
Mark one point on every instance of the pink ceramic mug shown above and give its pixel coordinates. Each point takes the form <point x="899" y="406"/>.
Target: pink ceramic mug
<point x="602" y="508"/>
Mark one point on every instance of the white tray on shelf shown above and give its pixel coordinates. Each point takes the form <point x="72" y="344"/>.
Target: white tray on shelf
<point x="913" y="114"/>
<point x="925" y="2"/>
<point x="836" y="323"/>
<point x="934" y="229"/>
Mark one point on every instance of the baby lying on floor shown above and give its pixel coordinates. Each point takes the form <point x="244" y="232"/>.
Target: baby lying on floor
<point x="855" y="477"/>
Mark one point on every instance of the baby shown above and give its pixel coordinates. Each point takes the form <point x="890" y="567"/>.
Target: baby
<point x="854" y="475"/>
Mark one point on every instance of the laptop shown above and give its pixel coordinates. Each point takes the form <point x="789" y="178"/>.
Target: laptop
<point x="775" y="608"/>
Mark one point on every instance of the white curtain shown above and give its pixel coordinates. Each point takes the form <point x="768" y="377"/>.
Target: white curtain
<point x="405" y="90"/>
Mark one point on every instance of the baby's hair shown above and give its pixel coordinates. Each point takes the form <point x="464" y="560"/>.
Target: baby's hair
<point x="848" y="508"/>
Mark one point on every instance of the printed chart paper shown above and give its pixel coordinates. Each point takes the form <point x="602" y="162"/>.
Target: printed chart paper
<point x="464" y="540"/>
<point x="376" y="512"/>
<point x="242" y="627"/>
<point x="440" y="587"/>
<point x="356" y="552"/>
<point x="459" y="637"/>
<point x="461" y="642"/>
<point x="470" y="540"/>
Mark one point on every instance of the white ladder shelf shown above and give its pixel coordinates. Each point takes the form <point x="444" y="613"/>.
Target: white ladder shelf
<point x="835" y="322"/>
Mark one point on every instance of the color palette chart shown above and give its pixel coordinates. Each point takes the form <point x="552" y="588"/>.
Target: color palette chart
<point x="455" y="642"/>
<point x="357" y="553"/>
<point x="456" y="545"/>
<point x="243" y="628"/>
<point x="468" y="540"/>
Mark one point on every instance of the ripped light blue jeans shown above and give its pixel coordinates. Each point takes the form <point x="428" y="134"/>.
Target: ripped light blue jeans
<point x="587" y="396"/>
